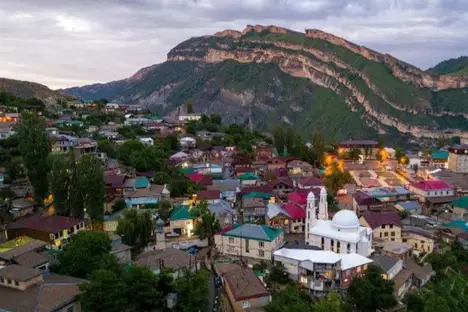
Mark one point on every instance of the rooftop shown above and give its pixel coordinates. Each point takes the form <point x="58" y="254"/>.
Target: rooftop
<point x="19" y="273"/>
<point x="440" y="155"/>
<point x="378" y="218"/>
<point x="254" y="231"/>
<point x="170" y="258"/>
<point x="48" y="224"/>
<point x="386" y="262"/>
<point x="181" y="212"/>
<point x="431" y="185"/>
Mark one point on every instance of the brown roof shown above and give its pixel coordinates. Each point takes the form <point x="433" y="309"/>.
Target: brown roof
<point x="173" y="259"/>
<point x="31" y="259"/>
<point x="242" y="281"/>
<point x="208" y="195"/>
<point x="19" y="273"/>
<point x="376" y="219"/>
<point x="154" y="190"/>
<point x="419" y="271"/>
<point x="48" y="224"/>
<point x="401" y="278"/>
<point x="114" y="180"/>
<point x="52" y="294"/>
<point x="253" y="203"/>
<point x="18" y="251"/>
<point x="119" y="247"/>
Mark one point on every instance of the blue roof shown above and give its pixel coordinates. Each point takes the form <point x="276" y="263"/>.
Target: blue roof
<point x="141" y="182"/>
<point x="141" y="201"/>
<point x="440" y="155"/>
<point x="388" y="191"/>
<point x="410" y="205"/>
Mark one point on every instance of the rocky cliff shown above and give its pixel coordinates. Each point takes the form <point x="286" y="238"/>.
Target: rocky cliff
<point x="266" y="74"/>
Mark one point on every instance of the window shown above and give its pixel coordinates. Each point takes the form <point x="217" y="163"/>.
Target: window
<point x="348" y="247"/>
<point x="2" y="280"/>
<point x="261" y="244"/>
<point x="380" y="234"/>
<point x="231" y="240"/>
<point x="385" y="234"/>
<point x="71" y="309"/>
<point x="246" y="304"/>
<point x="261" y="253"/>
<point x="392" y="233"/>
<point x="391" y="226"/>
<point x="358" y="269"/>
<point x="332" y="243"/>
<point x="16" y="283"/>
<point x="338" y="247"/>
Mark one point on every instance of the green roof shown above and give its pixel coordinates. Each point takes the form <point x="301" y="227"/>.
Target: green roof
<point x="461" y="224"/>
<point x="257" y="195"/>
<point x="141" y="182"/>
<point x="440" y="155"/>
<point x="461" y="202"/>
<point x="248" y="176"/>
<point x="155" y="118"/>
<point x="255" y="232"/>
<point x="186" y="170"/>
<point x="182" y="212"/>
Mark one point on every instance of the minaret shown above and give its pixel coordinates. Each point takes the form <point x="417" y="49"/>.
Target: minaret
<point x="323" y="205"/>
<point x="311" y="215"/>
<point x="160" y="236"/>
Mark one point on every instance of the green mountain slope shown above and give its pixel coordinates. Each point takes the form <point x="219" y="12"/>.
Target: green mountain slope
<point x="27" y="90"/>
<point x="314" y="81"/>
<point x="454" y="66"/>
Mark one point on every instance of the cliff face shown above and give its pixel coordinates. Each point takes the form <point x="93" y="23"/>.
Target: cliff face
<point x="254" y="74"/>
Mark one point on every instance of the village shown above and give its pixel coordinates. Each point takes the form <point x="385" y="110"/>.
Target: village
<point x="237" y="216"/>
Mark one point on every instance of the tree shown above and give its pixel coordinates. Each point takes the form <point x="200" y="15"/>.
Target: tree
<point x="172" y="142"/>
<point x="291" y="299"/>
<point x="354" y="153"/>
<point x="331" y="303"/>
<point x="216" y="119"/>
<point x="192" y="291"/>
<point x="104" y="292"/>
<point x="277" y="275"/>
<point x="318" y="144"/>
<point x="289" y="139"/>
<point x="134" y="228"/>
<point x="279" y="139"/>
<point x="34" y="146"/>
<point x="59" y="178"/>
<point x="106" y="146"/>
<point x="207" y="225"/>
<point x="92" y="177"/>
<point x="373" y="283"/>
<point x="180" y="186"/>
<point x="142" y="291"/>
<point x="414" y="302"/>
<point x="119" y="205"/>
<point x="189" y="106"/>
<point x="164" y="209"/>
<point x="161" y="178"/>
<point x="84" y="254"/>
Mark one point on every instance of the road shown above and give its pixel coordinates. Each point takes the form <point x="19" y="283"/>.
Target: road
<point x="212" y="294"/>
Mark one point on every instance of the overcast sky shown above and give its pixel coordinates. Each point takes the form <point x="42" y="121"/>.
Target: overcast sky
<point x="64" y="43"/>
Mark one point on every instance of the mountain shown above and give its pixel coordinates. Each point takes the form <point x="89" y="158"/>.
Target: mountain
<point x="453" y="66"/>
<point x="267" y="75"/>
<point x="26" y="90"/>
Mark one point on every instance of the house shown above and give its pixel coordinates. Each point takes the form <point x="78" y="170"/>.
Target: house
<point x="24" y="251"/>
<point x="138" y="122"/>
<point x="187" y="142"/>
<point x="283" y="185"/>
<point x="320" y="270"/>
<point x="244" y="289"/>
<point x="385" y="225"/>
<point x="114" y="184"/>
<point x="364" y="202"/>
<point x="297" y="215"/>
<point x="133" y="184"/>
<point x="248" y="178"/>
<point x="179" y="157"/>
<point x="263" y="154"/>
<point x="253" y="209"/>
<point x="368" y="148"/>
<point x="276" y="216"/>
<point x="421" y="274"/>
<point x="25" y="289"/>
<point x="212" y="197"/>
<point x="439" y="159"/>
<point x="223" y="212"/>
<point x="422" y="240"/>
<point x="21" y="207"/>
<point x="189" y="117"/>
<point x="458" y="158"/>
<point x="80" y="146"/>
<point x="54" y="230"/>
<point x="111" y="107"/>
<point x="309" y="182"/>
<point x="144" y="197"/>
<point x="182" y="220"/>
<point x="276" y="163"/>
<point x="411" y="207"/>
<point x="257" y="242"/>
<point x="170" y="258"/>
<point x="300" y="168"/>
<point x="433" y="192"/>
<point x="6" y="131"/>
<point x="460" y="206"/>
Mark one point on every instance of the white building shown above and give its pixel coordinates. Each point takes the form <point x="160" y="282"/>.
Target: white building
<point x="343" y="234"/>
<point x="188" y="117"/>
<point x="147" y="141"/>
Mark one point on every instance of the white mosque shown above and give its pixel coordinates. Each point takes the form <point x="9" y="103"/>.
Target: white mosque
<point x="343" y="234"/>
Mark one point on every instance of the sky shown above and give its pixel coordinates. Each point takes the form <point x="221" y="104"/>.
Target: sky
<point x="64" y="43"/>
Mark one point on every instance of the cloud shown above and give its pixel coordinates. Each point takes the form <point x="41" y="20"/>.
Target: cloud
<point x="66" y="43"/>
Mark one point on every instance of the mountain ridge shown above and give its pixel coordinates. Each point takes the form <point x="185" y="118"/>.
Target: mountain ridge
<point x="389" y="96"/>
<point x="27" y="89"/>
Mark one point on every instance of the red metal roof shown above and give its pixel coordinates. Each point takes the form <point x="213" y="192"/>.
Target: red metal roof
<point x="209" y="195"/>
<point x="48" y="224"/>
<point x="294" y="210"/>
<point x="431" y="185"/>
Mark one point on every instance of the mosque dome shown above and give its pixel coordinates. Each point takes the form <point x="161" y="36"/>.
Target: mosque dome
<point x="345" y="219"/>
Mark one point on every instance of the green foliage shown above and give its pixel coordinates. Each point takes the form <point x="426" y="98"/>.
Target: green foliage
<point x="161" y="178"/>
<point x="106" y="146"/>
<point x="164" y="209"/>
<point x="291" y="299"/>
<point x="135" y="154"/>
<point x="34" y="146"/>
<point x="119" y="205"/>
<point x="10" y="100"/>
<point x="207" y="225"/>
<point x="192" y="291"/>
<point x="189" y="106"/>
<point x="104" y="292"/>
<point x="180" y="186"/>
<point x="130" y="132"/>
<point x="142" y="289"/>
<point x="372" y="282"/>
<point x="330" y="303"/>
<point x="335" y="179"/>
<point x="277" y="275"/>
<point x="84" y="254"/>
<point x="260" y="267"/>
<point x="135" y="228"/>
<point x="453" y="66"/>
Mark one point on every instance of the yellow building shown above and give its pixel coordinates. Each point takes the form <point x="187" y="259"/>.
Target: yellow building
<point x="386" y="225"/>
<point x="420" y="239"/>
